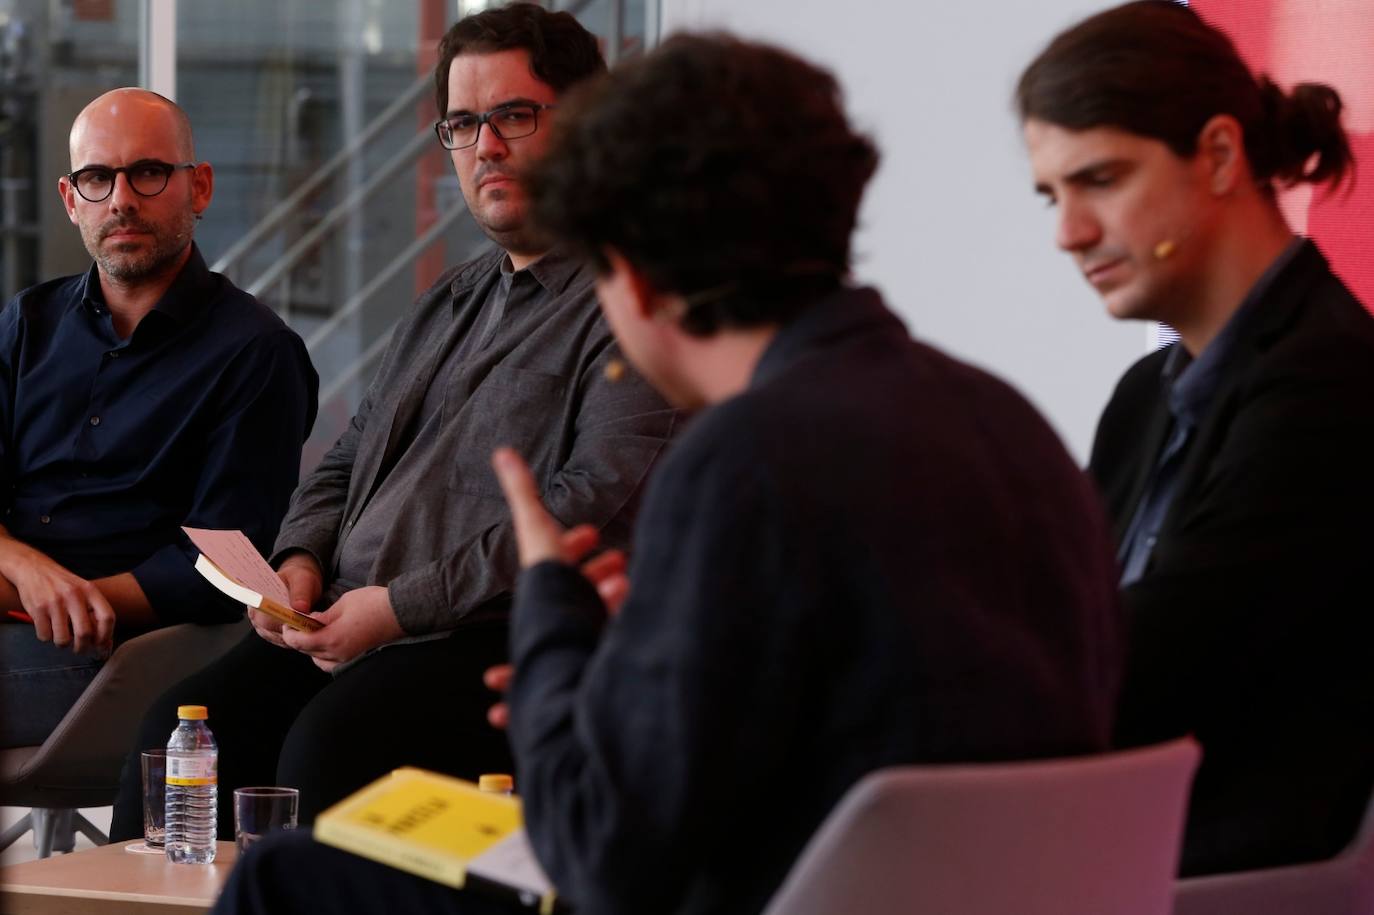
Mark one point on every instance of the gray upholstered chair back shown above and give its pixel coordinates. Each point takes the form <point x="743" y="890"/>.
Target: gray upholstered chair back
<point x="1343" y="885"/>
<point x="1080" y="836"/>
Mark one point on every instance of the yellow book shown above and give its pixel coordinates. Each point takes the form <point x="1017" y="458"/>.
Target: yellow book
<point x="441" y="828"/>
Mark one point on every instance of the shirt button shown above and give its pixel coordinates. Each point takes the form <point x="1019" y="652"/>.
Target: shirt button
<point x="45" y="519"/>
<point x="113" y="354"/>
<point x="1151" y="540"/>
<point x="95" y="420"/>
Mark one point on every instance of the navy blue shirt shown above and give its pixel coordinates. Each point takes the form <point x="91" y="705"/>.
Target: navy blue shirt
<point x="108" y="446"/>
<point x="1189" y="386"/>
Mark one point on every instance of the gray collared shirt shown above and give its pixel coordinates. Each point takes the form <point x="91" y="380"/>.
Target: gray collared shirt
<point x="488" y="357"/>
<point x="1190" y="385"/>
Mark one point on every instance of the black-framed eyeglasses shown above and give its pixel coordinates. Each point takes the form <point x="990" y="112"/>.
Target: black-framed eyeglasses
<point x="509" y="122"/>
<point x="148" y="178"/>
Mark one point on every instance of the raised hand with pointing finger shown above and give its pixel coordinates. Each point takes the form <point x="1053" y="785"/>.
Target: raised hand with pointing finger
<point x="540" y="537"/>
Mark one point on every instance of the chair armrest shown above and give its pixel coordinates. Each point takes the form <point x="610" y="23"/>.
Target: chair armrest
<point x="88" y="746"/>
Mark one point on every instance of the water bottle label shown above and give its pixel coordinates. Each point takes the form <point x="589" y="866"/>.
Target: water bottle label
<point x="192" y="770"/>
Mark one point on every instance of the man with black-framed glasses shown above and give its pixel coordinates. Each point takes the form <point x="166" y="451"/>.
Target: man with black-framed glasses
<point x="142" y="395"/>
<point x="510" y="121"/>
<point x="147" y="178"/>
<point x="400" y="541"/>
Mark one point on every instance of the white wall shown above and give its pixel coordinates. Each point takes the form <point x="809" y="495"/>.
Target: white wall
<point x="950" y="230"/>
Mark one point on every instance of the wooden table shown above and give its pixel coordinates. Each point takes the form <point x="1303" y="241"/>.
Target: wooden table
<point x="111" y="881"/>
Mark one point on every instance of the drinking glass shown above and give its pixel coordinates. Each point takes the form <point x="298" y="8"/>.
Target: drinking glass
<point x="154" y="797"/>
<point x="258" y="811"/>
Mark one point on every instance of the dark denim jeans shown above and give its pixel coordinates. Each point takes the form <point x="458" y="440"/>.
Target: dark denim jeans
<point x="38" y="683"/>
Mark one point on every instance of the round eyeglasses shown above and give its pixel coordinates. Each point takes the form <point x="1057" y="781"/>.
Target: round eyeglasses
<point x="508" y="122"/>
<point x="147" y="178"/>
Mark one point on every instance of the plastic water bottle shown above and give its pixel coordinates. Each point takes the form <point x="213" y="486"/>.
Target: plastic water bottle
<point x="192" y="789"/>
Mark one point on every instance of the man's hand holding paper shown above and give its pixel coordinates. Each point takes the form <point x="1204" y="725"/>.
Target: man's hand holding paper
<point x="230" y="562"/>
<point x="358" y="621"/>
<point x="304" y="583"/>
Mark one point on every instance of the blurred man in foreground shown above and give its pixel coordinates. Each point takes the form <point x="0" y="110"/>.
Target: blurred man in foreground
<point x="862" y="553"/>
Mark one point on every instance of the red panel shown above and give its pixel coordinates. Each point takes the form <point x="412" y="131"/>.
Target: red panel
<point x="1329" y="41"/>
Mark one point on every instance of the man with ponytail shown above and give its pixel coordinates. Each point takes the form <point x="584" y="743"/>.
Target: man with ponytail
<point x="1235" y="463"/>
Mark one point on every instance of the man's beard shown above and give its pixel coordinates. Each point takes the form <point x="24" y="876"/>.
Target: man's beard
<point x="131" y="266"/>
<point x="515" y="232"/>
<point x="522" y="240"/>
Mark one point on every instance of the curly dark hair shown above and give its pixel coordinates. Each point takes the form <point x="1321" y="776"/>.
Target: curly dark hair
<point x="562" y="52"/>
<point x="725" y="170"/>
<point x="1156" y="69"/>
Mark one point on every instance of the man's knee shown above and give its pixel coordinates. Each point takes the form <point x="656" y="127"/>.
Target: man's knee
<point x="315" y="739"/>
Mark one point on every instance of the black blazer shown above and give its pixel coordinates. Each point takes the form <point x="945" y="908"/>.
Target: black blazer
<point x="874" y="555"/>
<point x="1253" y="627"/>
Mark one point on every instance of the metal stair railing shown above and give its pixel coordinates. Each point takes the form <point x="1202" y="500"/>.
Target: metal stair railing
<point x="340" y="211"/>
<point x="326" y="172"/>
<point x="399" y="263"/>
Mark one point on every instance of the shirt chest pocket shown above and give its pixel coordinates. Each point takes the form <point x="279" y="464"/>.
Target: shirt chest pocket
<point x="517" y="408"/>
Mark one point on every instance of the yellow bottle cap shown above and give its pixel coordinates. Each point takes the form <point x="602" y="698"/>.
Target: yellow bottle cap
<point x="193" y="712"/>
<point x="496" y="784"/>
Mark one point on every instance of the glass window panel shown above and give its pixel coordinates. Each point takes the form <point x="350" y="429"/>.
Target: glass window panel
<point x="54" y="58"/>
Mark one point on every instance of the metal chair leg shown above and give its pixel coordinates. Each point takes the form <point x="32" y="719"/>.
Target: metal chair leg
<point x="43" y="828"/>
<point x="53" y="830"/>
<point x="16" y="831"/>
<point x="88" y="829"/>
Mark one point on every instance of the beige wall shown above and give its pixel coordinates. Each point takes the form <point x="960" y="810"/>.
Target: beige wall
<point x="950" y="229"/>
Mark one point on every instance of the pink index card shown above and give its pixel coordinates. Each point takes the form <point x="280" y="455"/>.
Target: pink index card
<point x="239" y="559"/>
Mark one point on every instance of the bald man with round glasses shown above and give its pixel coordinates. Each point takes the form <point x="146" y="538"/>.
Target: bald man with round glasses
<point x="144" y="394"/>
